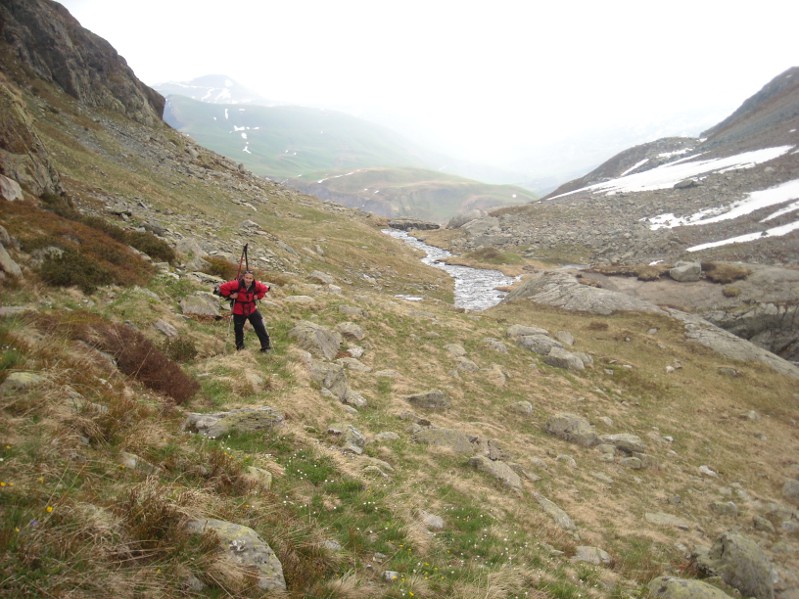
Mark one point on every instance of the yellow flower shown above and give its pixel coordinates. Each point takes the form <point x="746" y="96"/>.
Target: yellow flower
<point x="49" y="509"/>
<point x="2" y="483"/>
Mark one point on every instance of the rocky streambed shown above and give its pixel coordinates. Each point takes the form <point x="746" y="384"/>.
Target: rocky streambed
<point x="475" y="288"/>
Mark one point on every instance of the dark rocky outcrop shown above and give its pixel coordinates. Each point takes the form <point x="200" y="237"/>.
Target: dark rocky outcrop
<point x="46" y="40"/>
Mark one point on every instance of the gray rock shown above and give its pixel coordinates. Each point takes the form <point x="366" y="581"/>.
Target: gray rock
<point x="565" y="337"/>
<point x="429" y="400"/>
<point x="563" y="290"/>
<point x="562" y="358"/>
<point x="431" y="521"/>
<point x="166" y="328"/>
<point x="200" y="303"/>
<point x="663" y="519"/>
<point x="591" y="555"/>
<point x="573" y="428"/>
<point x="242" y="420"/>
<point x="457" y="441"/>
<point x="246" y="548"/>
<point x="519" y="330"/>
<point x="669" y="587"/>
<point x="790" y="490"/>
<point x="740" y="563"/>
<point x="522" y="407"/>
<point x="560" y="517"/>
<point x="20" y="381"/>
<point x="499" y="470"/>
<point x="352" y="439"/>
<point x="318" y="340"/>
<point x="686" y="272"/>
<point x="540" y="344"/>
<point x="258" y="478"/>
<point x="625" y="442"/>
<point x="730" y="346"/>
<point x="321" y="277"/>
<point x="351" y="330"/>
<point x="10" y="190"/>
<point x="7" y="263"/>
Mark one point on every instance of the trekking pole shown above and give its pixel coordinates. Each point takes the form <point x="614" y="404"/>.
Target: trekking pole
<point x="242" y="260"/>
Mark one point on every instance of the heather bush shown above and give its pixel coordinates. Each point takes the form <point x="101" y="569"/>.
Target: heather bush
<point x="73" y="268"/>
<point x="156" y="248"/>
<point x="220" y="267"/>
<point x="138" y="357"/>
<point x="725" y="272"/>
<point x="181" y="349"/>
<point x="146" y="242"/>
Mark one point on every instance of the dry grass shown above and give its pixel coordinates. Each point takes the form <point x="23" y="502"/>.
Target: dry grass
<point x="725" y="273"/>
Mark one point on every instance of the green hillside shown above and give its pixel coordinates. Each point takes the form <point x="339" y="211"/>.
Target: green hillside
<point x="336" y="157"/>
<point x="399" y="192"/>
<point x="281" y="142"/>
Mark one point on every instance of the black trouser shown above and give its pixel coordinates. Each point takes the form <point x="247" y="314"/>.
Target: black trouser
<point x="257" y="323"/>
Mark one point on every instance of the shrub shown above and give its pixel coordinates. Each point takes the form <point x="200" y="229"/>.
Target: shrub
<point x="156" y="248"/>
<point x="136" y="356"/>
<point x="724" y="272"/>
<point x="220" y="267"/>
<point x="146" y="242"/>
<point x="181" y="349"/>
<point x="730" y="291"/>
<point x="70" y="268"/>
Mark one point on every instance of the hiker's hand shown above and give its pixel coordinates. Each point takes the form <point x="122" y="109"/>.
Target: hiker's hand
<point x="234" y="295"/>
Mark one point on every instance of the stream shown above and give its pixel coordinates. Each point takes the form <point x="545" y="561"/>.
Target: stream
<point x="475" y="288"/>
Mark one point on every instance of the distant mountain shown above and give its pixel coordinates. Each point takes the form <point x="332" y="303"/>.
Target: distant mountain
<point x="427" y="195"/>
<point x="215" y="89"/>
<point x="283" y="142"/>
<point x="311" y="149"/>
<point x="768" y="119"/>
<point x="732" y="194"/>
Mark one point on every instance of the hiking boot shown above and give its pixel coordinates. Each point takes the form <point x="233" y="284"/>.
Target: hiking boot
<point x="266" y="350"/>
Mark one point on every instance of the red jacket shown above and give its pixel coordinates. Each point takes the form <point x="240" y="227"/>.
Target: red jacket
<point x="245" y="301"/>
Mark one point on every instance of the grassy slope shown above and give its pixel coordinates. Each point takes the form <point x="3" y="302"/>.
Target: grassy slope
<point x="286" y="141"/>
<point x="79" y="519"/>
<point x="351" y="156"/>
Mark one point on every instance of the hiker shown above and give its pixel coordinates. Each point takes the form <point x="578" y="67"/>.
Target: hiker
<point x="244" y="292"/>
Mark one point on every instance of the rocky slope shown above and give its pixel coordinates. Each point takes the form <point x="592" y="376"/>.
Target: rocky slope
<point x="385" y="448"/>
<point x="655" y="204"/>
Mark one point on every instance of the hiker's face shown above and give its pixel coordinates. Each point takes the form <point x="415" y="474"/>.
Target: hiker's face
<point x="248" y="279"/>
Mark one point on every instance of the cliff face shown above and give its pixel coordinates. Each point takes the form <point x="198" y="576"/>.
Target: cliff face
<point x="44" y="39"/>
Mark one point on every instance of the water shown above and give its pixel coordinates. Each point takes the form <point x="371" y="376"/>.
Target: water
<point x="475" y="288"/>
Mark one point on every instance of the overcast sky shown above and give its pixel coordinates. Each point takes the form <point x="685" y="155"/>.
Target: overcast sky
<point x="488" y="79"/>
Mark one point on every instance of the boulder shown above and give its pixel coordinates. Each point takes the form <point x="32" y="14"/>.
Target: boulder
<point x="740" y="563"/>
<point x="562" y="358"/>
<point x="200" y="303"/>
<point x="315" y="338"/>
<point x="20" y="381"/>
<point x="7" y="263"/>
<point x="573" y="428"/>
<point x="686" y="272"/>
<point x="670" y="587"/>
<point x="243" y="420"/>
<point x="246" y="549"/>
<point x="456" y="440"/>
<point x="10" y="190"/>
<point x="429" y="400"/>
<point x="499" y="470"/>
<point x="563" y="290"/>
